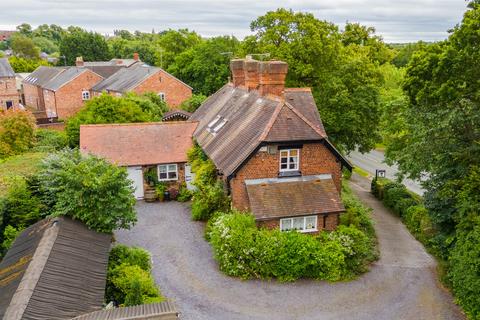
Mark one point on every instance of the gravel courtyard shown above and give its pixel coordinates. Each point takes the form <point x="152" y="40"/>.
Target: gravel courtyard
<point x="401" y="285"/>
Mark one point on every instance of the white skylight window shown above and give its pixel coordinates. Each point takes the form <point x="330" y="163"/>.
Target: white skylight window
<point x="219" y="125"/>
<point x="216" y="124"/>
<point x="213" y="122"/>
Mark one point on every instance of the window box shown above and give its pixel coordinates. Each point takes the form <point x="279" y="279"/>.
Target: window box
<point x="167" y="172"/>
<point x="301" y="224"/>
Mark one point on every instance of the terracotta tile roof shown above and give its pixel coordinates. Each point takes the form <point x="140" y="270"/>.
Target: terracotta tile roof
<point x="253" y="119"/>
<point x="139" y="143"/>
<point x="55" y="269"/>
<point x="296" y="196"/>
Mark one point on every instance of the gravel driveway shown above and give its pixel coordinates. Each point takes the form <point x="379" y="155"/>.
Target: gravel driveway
<point x="401" y="285"/>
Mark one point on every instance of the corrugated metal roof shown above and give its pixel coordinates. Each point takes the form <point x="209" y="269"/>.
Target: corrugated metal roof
<point x="251" y="120"/>
<point x="162" y="310"/>
<point x="139" y="143"/>
<point x="5" y="68"/>
<point x="63" y="77"/>
<point x="42" y="75"/>
<point x="296" y="196"/>
<point x="128" y="78"/>
<point x="55" y="269"/>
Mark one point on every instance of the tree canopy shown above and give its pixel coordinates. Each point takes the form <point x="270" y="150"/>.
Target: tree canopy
<point x="80" y="43"/>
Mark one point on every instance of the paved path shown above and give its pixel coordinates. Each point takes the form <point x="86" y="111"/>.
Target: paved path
<point x="375" y="160"/>
<point x="401" y="285"/>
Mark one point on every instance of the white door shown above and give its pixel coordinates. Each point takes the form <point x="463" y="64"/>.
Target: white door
<point x="189" y="176"/>
<point x="136" y="175"/>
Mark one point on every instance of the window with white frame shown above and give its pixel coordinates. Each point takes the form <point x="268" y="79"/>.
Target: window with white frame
<point x="301" y="224"/>
<point x="289" y="159"/>
<point x="167" y="172"/>
<point x="162" y="96"/>
<point x="85" y="95"/>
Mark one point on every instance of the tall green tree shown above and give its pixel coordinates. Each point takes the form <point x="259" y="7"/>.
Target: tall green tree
<point x="344" y="77"/>
<point x="24" y="47"/>
<point x="80" y="43"/>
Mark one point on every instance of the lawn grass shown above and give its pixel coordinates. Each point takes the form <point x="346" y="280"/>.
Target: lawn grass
<point x="22" y="165"/>
<point x="361" y="172"/>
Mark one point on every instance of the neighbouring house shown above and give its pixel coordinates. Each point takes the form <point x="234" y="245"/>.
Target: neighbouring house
<point x="176" y="115"/>
<point x="108" y="68"/>
<point x="9" y="96"/>
<point x="58" y="92"/>
<point x="55" y="269"/>
<point x="148" y="150"/>
<point x="141" y="78"/>
<point x="5" y="35"/>
<point x="271" y="149"/>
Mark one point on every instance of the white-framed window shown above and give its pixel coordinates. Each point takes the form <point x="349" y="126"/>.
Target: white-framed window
<point x="167" y="172"/>
<point x="289" y="159"/>
<point x="162" y="96"/>
<point x="85" y="95"/>
<point x="300" y="224"/>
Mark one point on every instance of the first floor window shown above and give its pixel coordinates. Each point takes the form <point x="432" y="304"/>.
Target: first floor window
<point x="289" y="159"/>
<point x="301" y="224"/>
<point x="167" y="172"/>
<point x="162" y="96"/>
<point x="85" y="95"/>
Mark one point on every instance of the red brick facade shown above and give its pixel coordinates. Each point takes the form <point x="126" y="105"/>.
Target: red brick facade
<point x="68" y="99"/>
<point x="9" y="96"/>
<point x="174" y="90"/>
<point x="33" y="96"/>
<point x="315" y="159"/>
<point x="175" y="184"/>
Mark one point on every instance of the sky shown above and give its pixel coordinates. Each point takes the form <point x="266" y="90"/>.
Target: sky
<point x="395" y="20"/>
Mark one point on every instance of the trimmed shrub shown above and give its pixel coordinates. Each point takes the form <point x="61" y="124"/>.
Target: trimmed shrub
<point x="49" y="140"/>
<point x="135" y="256"/>
<point x="209" y="199"/>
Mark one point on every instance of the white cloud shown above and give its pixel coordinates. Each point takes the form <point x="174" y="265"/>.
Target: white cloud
<point x="395" y="20"/>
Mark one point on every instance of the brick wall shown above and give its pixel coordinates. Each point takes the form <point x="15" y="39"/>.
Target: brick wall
<point x="69" y="97"/>
<point x="315" y="158"/>
<point x="175" y="91"/>
<point x="175" y="184"/>
<point x="331" y="222"/>
<point x="8" y="92"/>
<point x="33" y="96"/>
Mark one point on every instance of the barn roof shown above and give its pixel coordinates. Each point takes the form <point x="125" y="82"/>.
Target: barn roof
<point x="158" y="311"/>
<point x="53" y="78"/>
<point x="55" y="269"/>
<point x="135" y="144"/>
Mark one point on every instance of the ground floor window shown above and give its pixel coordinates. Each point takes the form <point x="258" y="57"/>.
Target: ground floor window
<point x="301" y="224"/>
<point x="167" y="172"/>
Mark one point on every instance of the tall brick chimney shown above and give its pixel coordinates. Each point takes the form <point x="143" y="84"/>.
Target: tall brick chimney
<point x="272" y="76"/>
<point x="79" y="61"/>
<point x="238" y="72"/>
<point x="135" y="56"/>
<point x="251" y="74"/>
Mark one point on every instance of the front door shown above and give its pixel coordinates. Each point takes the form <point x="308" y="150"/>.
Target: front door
<point x="189" y="176"/>
<point x="136" y="175"/>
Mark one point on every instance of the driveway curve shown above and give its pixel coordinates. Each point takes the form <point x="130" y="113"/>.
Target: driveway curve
<point x="401" y="285"/>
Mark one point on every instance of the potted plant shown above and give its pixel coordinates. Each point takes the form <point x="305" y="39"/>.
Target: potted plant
<point x="151" y="177"/>
<point x="161" y="188"/>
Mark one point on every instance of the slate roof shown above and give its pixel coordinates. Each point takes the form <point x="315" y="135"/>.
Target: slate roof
<point x="6" y="69"/>
<point x="128" y="78"/>
<point x="163" y="310"/>
<point x="53" y="78"/>
<point x="104" y="70"/>
<point x="253" y="119"/>
<point x="136" y="144"/>
<point x="112" y="62"/>
<point x="55" y="269"/>
<point x="297" y="196"/>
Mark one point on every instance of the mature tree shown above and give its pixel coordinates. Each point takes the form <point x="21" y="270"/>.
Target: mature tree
<point x="51" y="32"/>
<point x="175" y="42"/>
<point x="17" y="132"/>
<point x="25" y="29"/>
<point x="23" y="46"/>
<point x="88" y="189"/>
<point x="193" y="102"/>
<point x="45" y="44"/>
<point x="80" y="43"/>
<point x="25" y="65"/>
<point x="109" y="109"/>
<point x="405" y="52"/>
<point x="205" y="67"/>
<point x="344" y="78"/>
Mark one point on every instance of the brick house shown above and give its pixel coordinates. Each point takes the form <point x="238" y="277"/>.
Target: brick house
<point x="271" y="149"/>
<point x="141" y="78"/>
<point x="157" y="147"/>
<point x="59" y="92"/>
<point x="9" y="96"/>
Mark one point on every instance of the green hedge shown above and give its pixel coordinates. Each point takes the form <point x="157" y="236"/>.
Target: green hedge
<point x="243" y="250"/>
<point x="129" y="281"/>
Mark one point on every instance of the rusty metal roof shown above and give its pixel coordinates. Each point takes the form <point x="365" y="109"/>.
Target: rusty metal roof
<point x="163" y="310"/>
<point x="297" y="196"/>
<point x="133" y="144"/>
<point x="252" y="119"/>
<point x="55" y="269"/>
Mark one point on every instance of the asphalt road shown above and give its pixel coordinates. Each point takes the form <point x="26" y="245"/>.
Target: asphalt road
<point x="401" y="285"/>
<point x="375" y="160"/>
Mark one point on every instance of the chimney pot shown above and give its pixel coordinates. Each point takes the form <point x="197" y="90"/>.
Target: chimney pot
<point x="135" y="56"/>
<point x="79" y="61"/>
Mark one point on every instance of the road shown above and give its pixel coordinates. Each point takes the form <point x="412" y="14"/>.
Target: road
<point x="375" y="160"/>
<point x="401" y="285"/>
